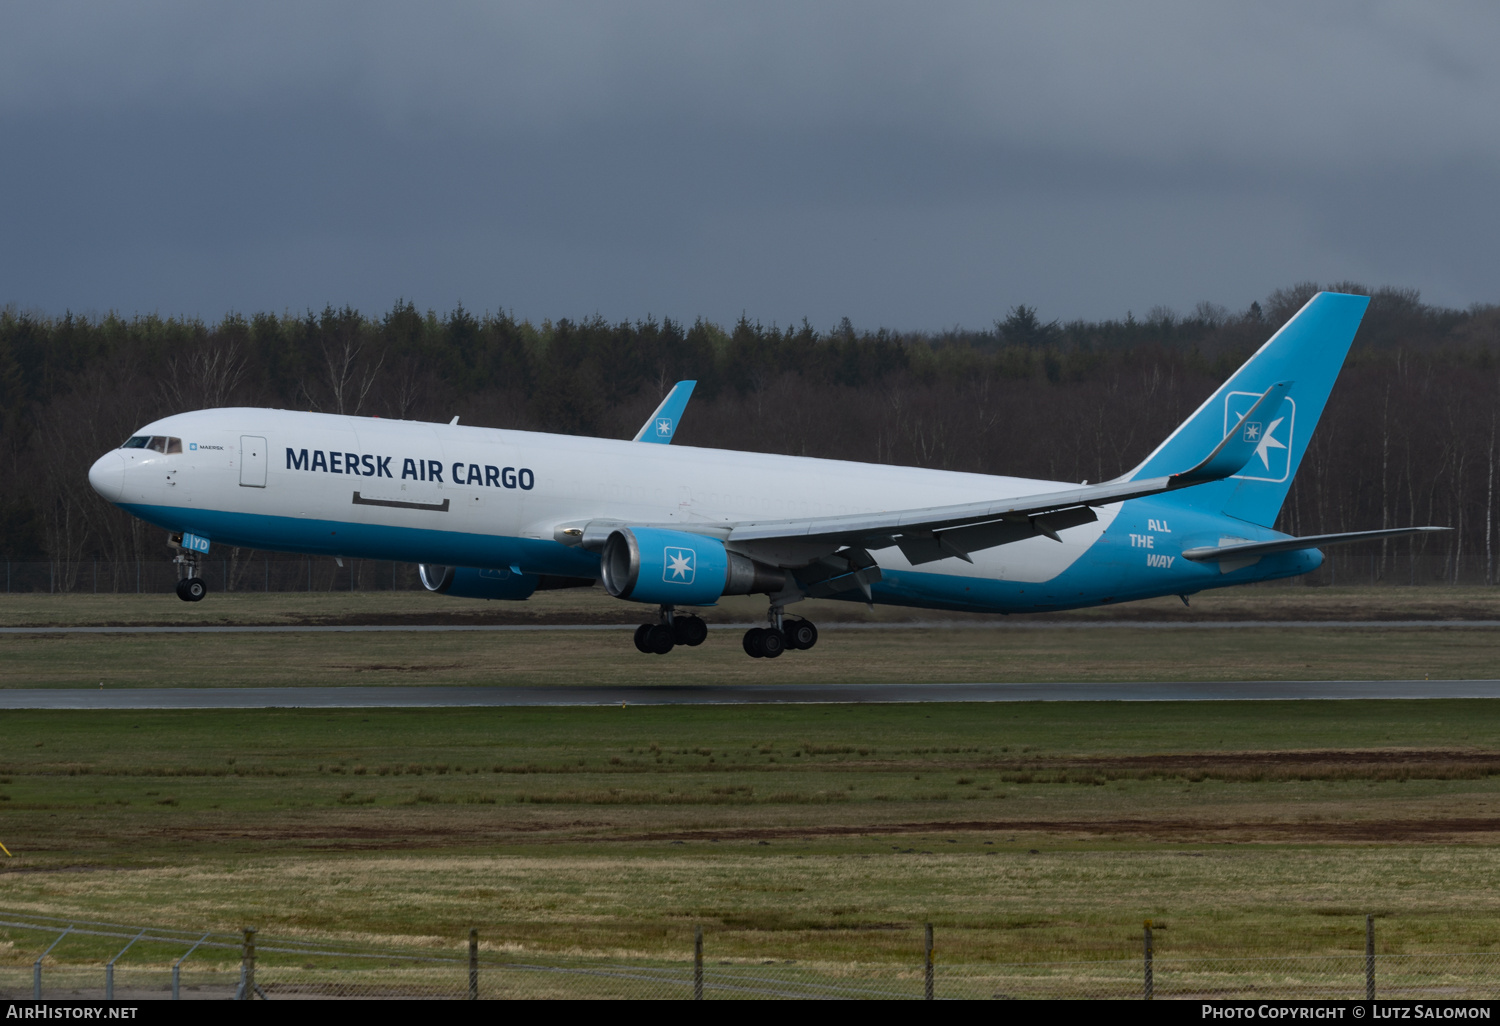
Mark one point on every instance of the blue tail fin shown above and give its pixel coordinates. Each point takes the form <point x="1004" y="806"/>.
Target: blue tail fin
<point x="1308" y="351"/>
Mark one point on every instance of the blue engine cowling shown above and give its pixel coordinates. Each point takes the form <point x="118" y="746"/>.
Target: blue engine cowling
<point x="651" y="564"/>
<point x="469" y="582"/>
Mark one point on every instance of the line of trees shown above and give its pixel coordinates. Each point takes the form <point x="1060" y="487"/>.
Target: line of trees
<point x="1409" y="435"/>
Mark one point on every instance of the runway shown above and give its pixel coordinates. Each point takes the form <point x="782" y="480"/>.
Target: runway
<point x="401" y="697"/>
<point x="946" y="625"/>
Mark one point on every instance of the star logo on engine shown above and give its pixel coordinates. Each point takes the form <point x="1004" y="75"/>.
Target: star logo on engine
<point x="678" y="566"/>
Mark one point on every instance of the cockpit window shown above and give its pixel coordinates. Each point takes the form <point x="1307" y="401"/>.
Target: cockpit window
<point x="156" y="443"/>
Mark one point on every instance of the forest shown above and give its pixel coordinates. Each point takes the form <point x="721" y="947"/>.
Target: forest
<point x="1408" y="436"/>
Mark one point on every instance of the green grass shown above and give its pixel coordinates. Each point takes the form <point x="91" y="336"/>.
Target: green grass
<point x="892" y="654"/>
<point x="818" y="833"/>
<point x="1287" y="601"/>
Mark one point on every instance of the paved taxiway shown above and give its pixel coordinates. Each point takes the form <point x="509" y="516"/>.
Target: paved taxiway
<point x="437" y="696"/>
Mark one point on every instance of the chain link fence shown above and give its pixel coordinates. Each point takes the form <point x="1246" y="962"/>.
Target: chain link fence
<point x="43" y="958"/>
<point x="238" y="572"/>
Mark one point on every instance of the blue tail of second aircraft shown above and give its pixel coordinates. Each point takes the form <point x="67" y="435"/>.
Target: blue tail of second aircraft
<point x="1307" y="353"/>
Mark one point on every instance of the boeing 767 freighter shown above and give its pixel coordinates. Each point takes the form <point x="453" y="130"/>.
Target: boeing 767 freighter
<point x="499" y="514"/>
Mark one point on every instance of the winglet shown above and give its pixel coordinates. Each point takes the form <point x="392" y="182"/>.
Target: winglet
<point x="662" y="424"/>
<point x="1235" y="450"/>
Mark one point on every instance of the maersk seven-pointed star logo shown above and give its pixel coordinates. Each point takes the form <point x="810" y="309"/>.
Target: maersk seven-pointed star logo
<point x="1271" y="460"/>
<point x="679" y="565"/>
<point x="664" y="426"/>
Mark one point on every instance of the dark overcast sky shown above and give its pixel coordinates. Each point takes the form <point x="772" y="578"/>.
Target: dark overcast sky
<point x="908" y="165"/>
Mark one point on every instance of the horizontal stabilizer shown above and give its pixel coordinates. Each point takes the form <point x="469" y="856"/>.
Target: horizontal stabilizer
<point x="1254" y="550"/>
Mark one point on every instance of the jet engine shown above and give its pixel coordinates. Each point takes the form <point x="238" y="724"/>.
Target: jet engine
<point x="469" y="582"/>
<point x="651" y="564"/>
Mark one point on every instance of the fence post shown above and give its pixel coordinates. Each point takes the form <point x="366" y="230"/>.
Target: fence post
<point x="247" y="963"/>
<point x="697" y="963"/>
<point x="36" y="968"/>
<point x="927" y="967"/>
<point x="473" y="964"/>
<point x="177" y="969"/>
<point x="1150" y="982"/>
<point x="1369" y="958"/>
<point x="109" y="968"/>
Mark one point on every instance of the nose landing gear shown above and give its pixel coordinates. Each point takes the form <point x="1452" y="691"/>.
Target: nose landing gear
<point x="190" y="584"/>
<point x="191" y="589"/>
<point x="673" y="630"/>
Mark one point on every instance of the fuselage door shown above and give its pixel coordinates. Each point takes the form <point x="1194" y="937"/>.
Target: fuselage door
<point x="252" y="461"/>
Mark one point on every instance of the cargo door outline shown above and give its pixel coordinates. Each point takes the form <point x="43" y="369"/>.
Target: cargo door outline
<point x="252" y="461"/>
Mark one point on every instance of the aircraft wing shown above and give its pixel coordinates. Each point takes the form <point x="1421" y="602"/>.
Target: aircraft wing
<point x="938" y="532"/>
<point x="662" y="425"/>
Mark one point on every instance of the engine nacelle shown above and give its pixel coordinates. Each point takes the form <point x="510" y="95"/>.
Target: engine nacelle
<point x="469" y="582"/>
<point x="651" y="564"/>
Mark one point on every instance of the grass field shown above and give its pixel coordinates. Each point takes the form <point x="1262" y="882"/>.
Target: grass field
<point x="894" y="654"/>
<point x="825" y="834"/>
<point x="1029" y="831"/>
<point x="892" y="648"/>
<point x="592" y="605"/>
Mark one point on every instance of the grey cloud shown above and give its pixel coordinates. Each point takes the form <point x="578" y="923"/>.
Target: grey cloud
<point x="909" y="166"/>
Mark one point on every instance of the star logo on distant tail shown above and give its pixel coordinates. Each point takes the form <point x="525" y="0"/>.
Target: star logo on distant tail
<point x="664" y="426"/>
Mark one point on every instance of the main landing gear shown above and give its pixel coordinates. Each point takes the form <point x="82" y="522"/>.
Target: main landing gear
<point x="760" y="642"/>
<point x="674" y="629"/>
<point x="190" y="584"/>
<point x="770" y="642"/>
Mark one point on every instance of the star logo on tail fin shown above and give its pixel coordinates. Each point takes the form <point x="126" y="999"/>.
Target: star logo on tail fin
<point x="1273" y="439"/>
<point x="1267" y="442"/>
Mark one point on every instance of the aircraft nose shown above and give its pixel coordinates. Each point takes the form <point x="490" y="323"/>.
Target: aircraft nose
<point x="107" y="475"/>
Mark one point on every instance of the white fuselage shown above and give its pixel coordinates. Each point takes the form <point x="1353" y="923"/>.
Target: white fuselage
<point x="484" y="474"/>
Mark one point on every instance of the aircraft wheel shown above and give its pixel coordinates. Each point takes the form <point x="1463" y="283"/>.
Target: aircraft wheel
<point x="772" y="642"/>
<point x="659" y="639"/>
<point x="640" y="637"/>
<point x="800" y="634"/>
<point x="182" y="590"/>
<point x="193" y="589"/>
<point x="689" y="630"/>
<point x="752" y="642"/>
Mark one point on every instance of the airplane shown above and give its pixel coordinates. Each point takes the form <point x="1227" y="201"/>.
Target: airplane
<point x="498" y="514"/>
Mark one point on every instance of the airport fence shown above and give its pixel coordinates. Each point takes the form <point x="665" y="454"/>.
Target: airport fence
<point x="46" y="958"/>
<point x="239" y="572"/>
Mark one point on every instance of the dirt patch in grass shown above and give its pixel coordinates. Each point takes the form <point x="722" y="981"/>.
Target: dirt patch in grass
<point x="1197" y="830"/>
